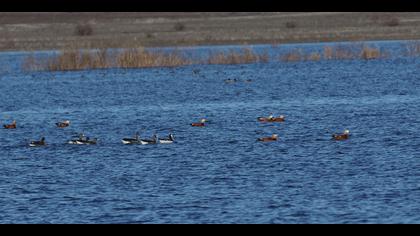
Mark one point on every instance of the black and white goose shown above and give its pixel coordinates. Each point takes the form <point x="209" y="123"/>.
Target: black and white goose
<point x="169" y="139"/>
<point x="83" y="140"/>
<point x="135" y="140"/>
<point x="38" y="143"/>
<point x="154" y="140"/>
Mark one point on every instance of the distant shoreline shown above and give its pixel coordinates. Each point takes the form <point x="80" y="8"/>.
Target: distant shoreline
<point x="58" y="31"/>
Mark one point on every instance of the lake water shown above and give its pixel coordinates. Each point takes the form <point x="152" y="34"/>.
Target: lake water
<point x="218" y="173"/>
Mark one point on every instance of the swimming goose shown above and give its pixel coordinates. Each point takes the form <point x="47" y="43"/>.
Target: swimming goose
<point x="38" y="143"/>
<point x="169" y="139"/>
<point x="83" y="140"/>
<point x="135" y="140"/>
<point x="154" y="140"/>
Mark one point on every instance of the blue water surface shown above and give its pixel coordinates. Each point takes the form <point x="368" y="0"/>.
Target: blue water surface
<point x="218" y="173"/>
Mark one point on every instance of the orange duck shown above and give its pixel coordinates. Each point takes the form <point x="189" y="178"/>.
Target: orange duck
<point x="201" y="123"/>
<point x="11" y="126"/>
<point x="63" y="124"/>
<point x="345" y="135"/>
<point x="273" y="137"/>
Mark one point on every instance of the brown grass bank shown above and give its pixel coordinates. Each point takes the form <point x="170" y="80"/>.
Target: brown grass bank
<point x="60" y="30"/>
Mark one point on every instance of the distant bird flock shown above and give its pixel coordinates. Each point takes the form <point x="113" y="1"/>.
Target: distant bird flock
<point x="82" y="139"/>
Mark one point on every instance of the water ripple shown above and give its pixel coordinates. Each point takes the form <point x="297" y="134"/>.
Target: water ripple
<point x="218" y="173"/>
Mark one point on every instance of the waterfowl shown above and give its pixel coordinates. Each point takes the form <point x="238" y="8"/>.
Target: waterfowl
<point x="273" y="137"/>
<point x="169" y="139"/>
<point x="38" y="143"/>
<point x="10" y="126"/>
<point x="201" y="123"/>
<point x="345" y="135"/>
<point x="83" y="140"/>
<point x="272" y="119"/>
<point x="154" y="140"/>
<point x="229" y="81"/>
<point x="63" y="124"/>
<point x="135" y="140"/>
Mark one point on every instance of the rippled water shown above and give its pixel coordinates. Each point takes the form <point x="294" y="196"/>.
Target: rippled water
<point x="217" y="173"/>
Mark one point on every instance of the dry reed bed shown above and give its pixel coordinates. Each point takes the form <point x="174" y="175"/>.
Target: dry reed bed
<point x="340" y="52"/>
<point x="412" y="49"/>
<point x="77" y="59"/>
<point x="244" y="56"/>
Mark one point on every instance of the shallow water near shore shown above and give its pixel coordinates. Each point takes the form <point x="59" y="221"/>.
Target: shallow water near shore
<point x="218" y="173"/>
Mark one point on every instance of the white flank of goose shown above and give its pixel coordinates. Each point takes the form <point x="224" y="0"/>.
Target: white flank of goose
<point x="168" y="140"/>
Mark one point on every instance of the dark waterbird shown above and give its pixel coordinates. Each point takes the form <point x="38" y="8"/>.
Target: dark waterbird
<point x="38" y="143"/>
<point x="153" y="140"/>
<point x="231" y="81"/>
<point x="135" y="140"/>
<point x="169" y="139"/>
<point x="83" y="140"/>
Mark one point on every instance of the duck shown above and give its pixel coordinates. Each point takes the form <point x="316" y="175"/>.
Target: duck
<point x="83" y="140"/>
<point x="201" y="123"/>
<point x="270" y="118"/>
<point x="10" y="126"/>
<point x="345" y="135"/>
<point x="63" y="124"/>
<point x="154" y="140"/>
<point x="38" y="143"/>
<point x="273" y="137"/>
<point x="169" y="139"/>
<point x="135" y="140"/>
<point x="229" y="81"/>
